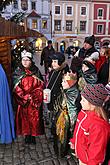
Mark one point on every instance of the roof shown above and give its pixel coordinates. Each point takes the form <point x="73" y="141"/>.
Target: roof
<point x="34" y="14"/>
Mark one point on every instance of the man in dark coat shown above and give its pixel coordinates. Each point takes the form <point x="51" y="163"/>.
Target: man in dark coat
<point x="46" y="55"/>
<point x="87" y="52"/>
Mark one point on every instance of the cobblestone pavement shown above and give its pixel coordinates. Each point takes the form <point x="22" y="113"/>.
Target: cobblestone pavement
<point x="19" y="153"/>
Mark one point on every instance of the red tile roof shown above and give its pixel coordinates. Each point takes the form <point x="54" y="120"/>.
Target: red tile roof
<point x="34" y="14"/>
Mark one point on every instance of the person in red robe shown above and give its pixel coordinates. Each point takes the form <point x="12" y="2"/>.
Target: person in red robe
<point x="28" y="93"/>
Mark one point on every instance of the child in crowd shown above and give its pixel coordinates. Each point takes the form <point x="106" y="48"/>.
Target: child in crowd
<point x="71" y="92"/>
<point x="72" y="104"/>
<point x="59" y="68"/>
<point x="92" y="130"/>
<point x="88" y="74"/>
<point x="28" y="92"/>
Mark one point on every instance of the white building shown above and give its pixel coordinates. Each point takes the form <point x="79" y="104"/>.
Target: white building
<point x="37" y="15"/>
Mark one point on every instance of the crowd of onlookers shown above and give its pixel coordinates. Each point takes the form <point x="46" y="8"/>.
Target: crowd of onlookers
<point x="77" y="101"/>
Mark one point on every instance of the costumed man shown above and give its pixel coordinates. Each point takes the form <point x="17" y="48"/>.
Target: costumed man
<point x="7" y="132"/>
<point x="59" y="68"/>
<point x="28" y="92"/>
<point x="46" y="55"/>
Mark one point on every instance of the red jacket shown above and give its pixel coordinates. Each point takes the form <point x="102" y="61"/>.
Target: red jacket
<point x="90" y="138"/>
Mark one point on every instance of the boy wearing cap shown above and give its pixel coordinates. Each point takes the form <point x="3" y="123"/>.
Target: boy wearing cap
<point x="59" y="68"/>
<point x="28" y="93"/>
<point x="92" y="130"/>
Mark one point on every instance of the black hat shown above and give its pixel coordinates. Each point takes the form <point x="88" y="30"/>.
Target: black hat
<point x="49" y="42"/>
<point x="58" y="56"/>
<point x="90" y="40"/>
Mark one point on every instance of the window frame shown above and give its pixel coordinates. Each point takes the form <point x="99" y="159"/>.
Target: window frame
<point x="33" y="2"/>
<point x="69" y="29"/>
<point x="85" y="25"/>
<point x="46" y="23"/>
<point x="33" y="24"/>
<point x="98" y="12"/>
<point x="67" y="10"/>
<point x="81" y="11"/>
<point x="56" y="25"/>
<point x="59" y="10"/>
<point x="102" y="29"/>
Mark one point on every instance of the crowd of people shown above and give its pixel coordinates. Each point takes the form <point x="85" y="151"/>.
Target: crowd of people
<point x="79" y="104"/>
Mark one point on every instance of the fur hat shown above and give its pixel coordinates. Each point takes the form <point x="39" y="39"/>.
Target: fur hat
<point x="71" y="79"/>
<point x="58" y="56"/>
<point x="95" y="94"/>
<point x="26" y="54"/>
<point x="90" y="40"/>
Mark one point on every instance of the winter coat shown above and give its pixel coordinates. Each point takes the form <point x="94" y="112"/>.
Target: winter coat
<point x="54" y="82"/>
<point x="46" y="55"/>
<point x="90" y="138"/>
<point x="102" y="66"/>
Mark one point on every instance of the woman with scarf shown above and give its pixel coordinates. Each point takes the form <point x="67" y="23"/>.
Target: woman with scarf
<point x="28" y="92"/>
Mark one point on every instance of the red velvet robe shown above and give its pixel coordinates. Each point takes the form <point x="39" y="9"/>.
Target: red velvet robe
<point x="29" y="96"/>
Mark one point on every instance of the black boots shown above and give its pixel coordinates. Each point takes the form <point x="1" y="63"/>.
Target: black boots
<point x="30" y="139"/>
<point x="33" y="140"/>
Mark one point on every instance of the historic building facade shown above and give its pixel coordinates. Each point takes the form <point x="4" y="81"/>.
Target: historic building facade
<point x="73" y="20"/>
<point x="101" y="21"/>
<point x="66" y="22"/>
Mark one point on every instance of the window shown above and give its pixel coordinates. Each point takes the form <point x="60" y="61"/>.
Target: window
<point x="24" y="5"/>
<point x="100" y="29"/>
<point x="34" y="24"/>
<point x="57" y="9"/>
<point x="44" y="24"/>
<point x="15" y="4"/>
<point x="33" y="5"/>
<point x="69" y="10"/>
<point x="82" y="25"/>
<point x="100" y="13"/>
<point x="68" y="25"/>
<point x="57" y="25"/>
<point x="83" y="10"/>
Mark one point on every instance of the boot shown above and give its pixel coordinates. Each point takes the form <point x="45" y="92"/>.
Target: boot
<point x="27" y="139"/>
<point x="33" y="140"/>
